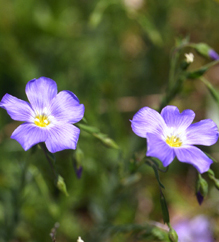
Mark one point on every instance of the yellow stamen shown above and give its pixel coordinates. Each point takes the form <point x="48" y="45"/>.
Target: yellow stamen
<point x="41" y="120"/>
<point x="173" y="141"/>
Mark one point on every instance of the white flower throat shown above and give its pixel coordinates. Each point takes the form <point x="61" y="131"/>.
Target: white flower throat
<point x="43" y="119"/>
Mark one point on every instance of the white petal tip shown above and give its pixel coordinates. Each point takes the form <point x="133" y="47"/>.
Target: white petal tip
<point x="79" y="239"/>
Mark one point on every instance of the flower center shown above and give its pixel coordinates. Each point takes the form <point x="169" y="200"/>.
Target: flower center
<point x="173" y="141"/>
<point x="41" y="120"/>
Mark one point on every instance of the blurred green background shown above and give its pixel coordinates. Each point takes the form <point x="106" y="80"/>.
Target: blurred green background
<point x="114" y="55"/>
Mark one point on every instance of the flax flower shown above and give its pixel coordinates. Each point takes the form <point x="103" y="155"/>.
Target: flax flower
<point x="47" y="118"/>
<point x="197" y="229"/>
<point x="172" y="133"/>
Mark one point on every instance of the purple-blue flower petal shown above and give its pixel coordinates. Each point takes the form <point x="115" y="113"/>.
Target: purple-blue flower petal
<point x="65" y="107"/>
<point x="213" y="54"/>
<point x="62" y="136"/>
<point x="194" y="156"/>
<point x="174" y="119"/>
<point x="17" y="109"/>
<point x="28" y="135"/>
<point x="40" y="92"/>
<point x="159" y="149"/>
<point x="197" y="229"/>
<point x="204" y="132"/>
<point x="147" y="120"/>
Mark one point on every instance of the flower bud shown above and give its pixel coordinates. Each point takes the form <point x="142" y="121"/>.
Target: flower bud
<point x="79" y="156"/>
<point x="201" y="189"/>
<point x="213" y="54"/>
<point x="199" y="197"/>
<point x="173" y="235"/>
<point x="61" y="185"/>
<point x="77" y="162"/>
<point x="202" y="49"/>
<point x="206" y="51"/>
<point x="78" y="170"/>
<point x="202" y="186"/>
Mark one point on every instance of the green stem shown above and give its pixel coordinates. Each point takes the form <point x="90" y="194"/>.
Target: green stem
<point x="175" y="89"/>
<point x="42" y="145"/>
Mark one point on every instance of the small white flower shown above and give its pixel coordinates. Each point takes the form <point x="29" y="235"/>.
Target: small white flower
<point x="79" y="239"/>
<point x="189" y="57"/>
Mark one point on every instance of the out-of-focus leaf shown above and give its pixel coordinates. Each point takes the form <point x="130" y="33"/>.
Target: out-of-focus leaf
<point x="106" y="140"/>
<point x="97" y="14"/>
<point x="198" y="73"/>
<point x="87" y="128"/>
<point x="102" y="137"/>
<point x="44" y="190"/>
<point x="131" y="179"/>
<point x="150" y="29"/>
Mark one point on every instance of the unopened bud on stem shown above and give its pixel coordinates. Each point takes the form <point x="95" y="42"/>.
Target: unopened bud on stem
<point x="173" y="235"/>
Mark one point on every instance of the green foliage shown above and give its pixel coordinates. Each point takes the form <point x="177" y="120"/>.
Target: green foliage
<point x="115" y="57"/>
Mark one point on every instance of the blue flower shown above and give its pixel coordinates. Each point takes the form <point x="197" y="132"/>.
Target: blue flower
<point x="47" y="118"/>
<point x="197" y="229"/>
<point x="172" y="133"/>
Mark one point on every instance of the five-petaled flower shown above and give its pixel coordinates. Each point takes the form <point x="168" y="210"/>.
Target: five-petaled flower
<point x="172" y="133"/>
<point x="47" y="118"/>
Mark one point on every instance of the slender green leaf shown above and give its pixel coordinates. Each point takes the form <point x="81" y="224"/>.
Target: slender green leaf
<point x="164" y="208"/>
<point x="214" y="93"/>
